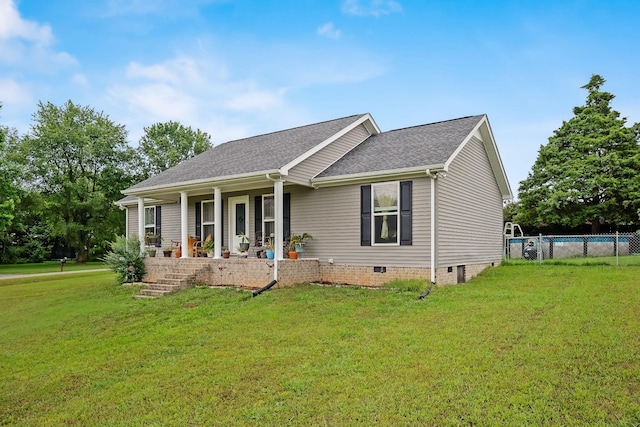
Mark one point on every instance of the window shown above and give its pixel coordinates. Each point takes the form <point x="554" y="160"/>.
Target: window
<point x="208" y="215"/>
<point x="269" y="217"/>
<point x="385" y="212"/>
<point x="150" y="220"/>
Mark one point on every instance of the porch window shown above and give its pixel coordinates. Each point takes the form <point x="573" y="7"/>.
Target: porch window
<point x="385" y="212"/>
<point x="269" y="217"/>
<point x="150" y="220"/>
<point x="208" y="223"/>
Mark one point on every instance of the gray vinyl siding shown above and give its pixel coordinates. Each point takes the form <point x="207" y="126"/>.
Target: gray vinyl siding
<point x="469" y="210"/>
<point x="307" y="169"/>
<point x="170" y="222"/>
<point x="332" y="217"/>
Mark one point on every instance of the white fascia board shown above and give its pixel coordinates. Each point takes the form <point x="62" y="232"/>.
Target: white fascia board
<point x="484" y="130"/>
<point x="413" y="172"/>
<point x="366" y="119"/>
<point x="200" y="184"/>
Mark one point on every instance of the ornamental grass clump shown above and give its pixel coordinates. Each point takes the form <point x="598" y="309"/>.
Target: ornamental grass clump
<point x="126" y="259"/>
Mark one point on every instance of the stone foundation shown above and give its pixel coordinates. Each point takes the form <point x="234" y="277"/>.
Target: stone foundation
<point x="253" y="273"/>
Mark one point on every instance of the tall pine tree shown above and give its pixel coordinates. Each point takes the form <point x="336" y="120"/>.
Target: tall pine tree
<point x="588" y="173"/>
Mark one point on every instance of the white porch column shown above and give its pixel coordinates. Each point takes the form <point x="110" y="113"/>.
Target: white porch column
<point x="141" y="222"/>
<point x="184" y="223"/>
<point x="278" y="200"/>
<point x="217" y="222"/>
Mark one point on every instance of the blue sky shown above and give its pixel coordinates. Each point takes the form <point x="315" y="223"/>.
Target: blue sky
<point x="237" y="68"/>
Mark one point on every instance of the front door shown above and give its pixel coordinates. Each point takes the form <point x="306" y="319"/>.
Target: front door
<point x="238" y="221"/>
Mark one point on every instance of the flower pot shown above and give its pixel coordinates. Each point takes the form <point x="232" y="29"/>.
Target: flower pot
<point x="244" y="247"/>
<point x="270" y="254"/>
<point x="167" y="254"/>
<point x="293" y="255"/>
<point x="151" y="253"/>
<point x="300" y="247"/>
<point x="178" y="254"/>
<point x="210" y="254"/>
<point x="225" y="254"/>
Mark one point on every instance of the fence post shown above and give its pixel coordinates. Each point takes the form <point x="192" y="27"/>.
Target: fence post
<point x="617" y="248"/>
<point x="540" y="248"/>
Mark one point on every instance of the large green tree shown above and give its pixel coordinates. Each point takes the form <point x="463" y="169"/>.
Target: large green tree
<point x="79" y="160"/>
<point x="9" y="172"/>
<point x="588" y="172"/>
<point x="164" y="145"/>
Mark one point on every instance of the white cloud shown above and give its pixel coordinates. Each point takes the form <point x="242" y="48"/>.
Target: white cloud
<point x="329" y="31"/>
<point x="14" y="93"/>
<point x="80" y="80"/>
<point x="370" y="7"/>
<point x="13" y="26"/>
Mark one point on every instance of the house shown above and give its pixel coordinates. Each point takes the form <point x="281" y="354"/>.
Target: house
<point x="420" y="202"/>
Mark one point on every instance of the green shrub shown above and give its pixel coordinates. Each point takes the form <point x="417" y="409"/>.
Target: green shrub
<point x="126" y="259"/>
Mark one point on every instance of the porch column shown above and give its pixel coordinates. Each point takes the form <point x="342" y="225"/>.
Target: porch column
<point x="278" y="198"/>
<point x="184" y="223"/>
<point x="217" y="222"/>
<point x="141" y="222"/>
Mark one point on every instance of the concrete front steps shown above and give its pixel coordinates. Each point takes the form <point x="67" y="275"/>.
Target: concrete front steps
<point x="177" y="279"/>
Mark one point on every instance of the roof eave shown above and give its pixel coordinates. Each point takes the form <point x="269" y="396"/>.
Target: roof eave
<point x="363" y="177"/>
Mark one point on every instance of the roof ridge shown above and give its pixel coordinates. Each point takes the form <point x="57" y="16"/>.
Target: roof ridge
<point x="293" y="128"/>
<point x="434" y="123"/>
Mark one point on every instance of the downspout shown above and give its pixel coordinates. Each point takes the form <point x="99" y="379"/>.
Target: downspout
<point x="433" y="175"/>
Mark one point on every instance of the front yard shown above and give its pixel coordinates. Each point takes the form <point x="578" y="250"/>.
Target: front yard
<point x="519" y="345"/>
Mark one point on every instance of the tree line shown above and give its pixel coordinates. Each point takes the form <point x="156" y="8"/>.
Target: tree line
<point x="586" y="179"/>
<point x="59" y="181"/>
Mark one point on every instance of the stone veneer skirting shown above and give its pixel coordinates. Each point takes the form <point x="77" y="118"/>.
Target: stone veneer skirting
<point x="255" y="273"/>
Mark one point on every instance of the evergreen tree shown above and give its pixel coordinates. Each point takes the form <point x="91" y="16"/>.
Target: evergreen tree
<point x="588" y="172"/>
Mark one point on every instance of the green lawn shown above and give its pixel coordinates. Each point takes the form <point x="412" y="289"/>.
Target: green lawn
<point x="49" y="267"/>
<point x="519" y="345"/>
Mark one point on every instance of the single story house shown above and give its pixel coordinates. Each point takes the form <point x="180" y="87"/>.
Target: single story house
<point x="419" y="202"/>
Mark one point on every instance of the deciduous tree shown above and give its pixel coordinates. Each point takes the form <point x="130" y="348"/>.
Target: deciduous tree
<point x="79" y="160"/>
<point x="164" y="145"/>
<point x="588" y="172"/>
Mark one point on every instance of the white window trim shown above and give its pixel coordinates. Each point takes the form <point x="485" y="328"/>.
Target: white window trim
<point x="374" y="214"/>
<point x="202" y="221"/>
<point x="266" y="238"/>
<point x="152" y="225"/>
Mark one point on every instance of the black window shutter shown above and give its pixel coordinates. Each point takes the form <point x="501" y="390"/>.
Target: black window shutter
<point x="365" y="215"/>
<point x="258" y="219"/>
<point x="405" y="212"/>
<point x="286" y="216"/>
<point x="158" y="225"/>
<point x="198" y="218"/>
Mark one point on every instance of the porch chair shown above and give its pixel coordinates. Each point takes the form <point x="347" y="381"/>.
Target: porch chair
<point x="199" y="244"/>
<point x="256" y="249"/>
<point x="193" y="248"/>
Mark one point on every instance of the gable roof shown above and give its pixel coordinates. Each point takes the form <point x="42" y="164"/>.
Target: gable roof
<point x="417" y="146"/>
<point x="262" y="153"/>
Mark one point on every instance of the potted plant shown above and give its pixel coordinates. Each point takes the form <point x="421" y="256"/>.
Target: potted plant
<point x="167" y="250"/>
<point x="269" y="251"/>
<point x="179" y="250"/>
<point x="244" y="242"/>
<point x="225" y="253"/>
<point x="208" y="247"/>
<point x="151" y="239"/>
<point x="151" y="252"/>
<point x="296" y="244"/>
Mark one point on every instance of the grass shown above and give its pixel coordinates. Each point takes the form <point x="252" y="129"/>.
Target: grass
<point x="519" y="345"/>
<point x="49" y="267"/>
<point x="627" y="260"/>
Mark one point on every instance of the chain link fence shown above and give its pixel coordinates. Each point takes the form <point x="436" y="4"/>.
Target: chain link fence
<point x="614" y="249"/>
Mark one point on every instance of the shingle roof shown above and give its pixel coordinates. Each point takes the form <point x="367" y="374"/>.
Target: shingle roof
<point x="425" y="145"/>
<point x="254" y="154"/>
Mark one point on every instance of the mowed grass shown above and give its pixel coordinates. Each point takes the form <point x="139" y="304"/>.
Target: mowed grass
<point x="49" y="267"/>
<point x="519" y="345"/>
